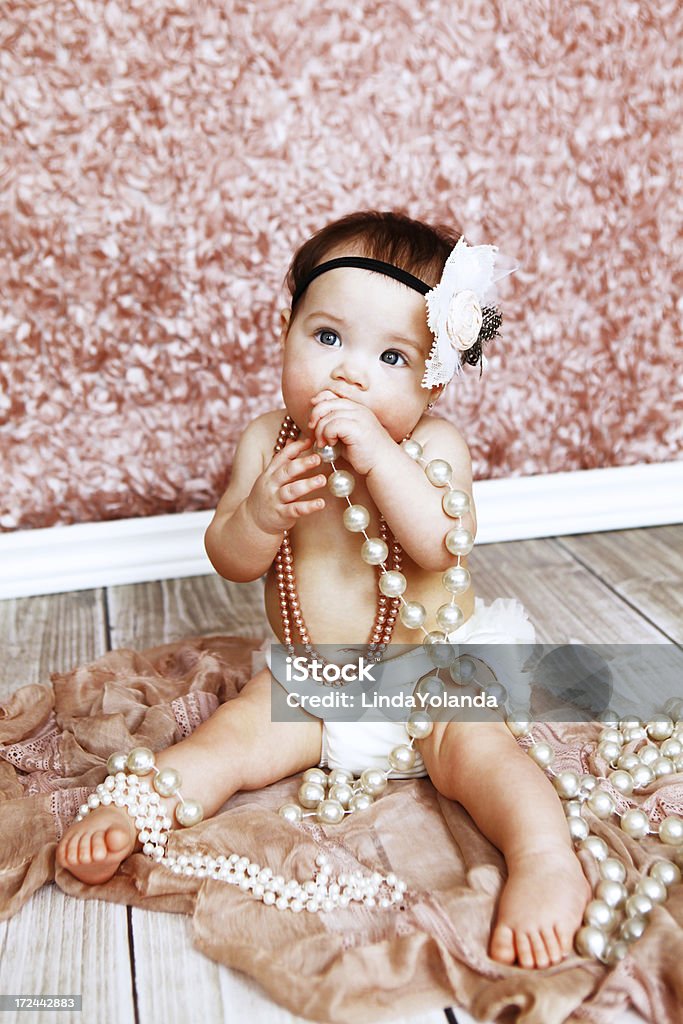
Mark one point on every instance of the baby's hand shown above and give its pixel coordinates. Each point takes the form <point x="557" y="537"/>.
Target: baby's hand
<point x="336" y="419"/>
<point x="275" y="499"/>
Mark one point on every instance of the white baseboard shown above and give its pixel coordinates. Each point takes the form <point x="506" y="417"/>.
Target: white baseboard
<point x="87" y="555"/>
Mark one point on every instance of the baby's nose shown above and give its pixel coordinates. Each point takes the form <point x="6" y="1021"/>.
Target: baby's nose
<point x="351" y="371"/>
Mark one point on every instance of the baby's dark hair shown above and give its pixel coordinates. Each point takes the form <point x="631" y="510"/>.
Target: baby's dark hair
<point x="388" y="235"/>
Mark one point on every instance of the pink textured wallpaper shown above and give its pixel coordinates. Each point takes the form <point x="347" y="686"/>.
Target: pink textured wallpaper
<point x="161" y="159"/>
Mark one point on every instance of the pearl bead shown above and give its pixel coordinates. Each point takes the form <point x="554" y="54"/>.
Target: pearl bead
<point x="612" y="893"/>
<point x="566" y="784"/>
<point x="671" y="830"/>
<point x="116" y="763"/>
<point x="622" y="780"/>
<point x="610" y="751"/>
<point x="662" y="766"/>
<point x="392" y="583"/>
<point x="429" y="688"/>
<point x="674" y="708"/>
<point x="329" y="812"/>
<point x="167" y="782"/>
<point x="374" y="551"/>
<point x="338" y="775"/>
<point x="402" y="758"/>
<point x="449" y="617"/>
<point x="652" y="888"/>
<point x="328" y="452"/>
<point x="638" y="905"/>
<point x="600" y="915"/>
<point x="360" y="801"/>
<point x="590" y="941"/>
<point x="596" y="846"/>
<point x="315" y="775"/>
<point x="518" y="725"/>
<point x="649" y="754"/>
<point x="578" y="829"/>
<point x="635" y="823"/>
<point x="456" y="503"/>
<point x="440" y="652"/>
<point x="629" y="723"/>
<point x="310" y="794"/>
<point x="631" y="929"/>
<point x="665" y="872"/>
<point x="412" y="448"/>
<point x="419" y="725"/>
<point x="671" y="748"/>
<point x="456" y="579"/>
<point x="573" y="808"/>
<point x="291" y="813"/>
<point x="642" y="776"/>
<point x="612" y="870"/>
<point x="341" y="483"/>
<point x="601" y="803"/>
<point x="189" y="813"/>
<point x="660" y="728"/>
<point x="459" y="541"/>
<point x="588" y="784"/>
<point x="93" y="801"/>
<point x="542" y="754"/>
<point x="611" y="736"/>
<point x="498" y="692"/>
<point x="439" y="472"/>
<point x="464" y="670"/>
<point x="628" y="762"/>
<point x="373" y="781"/>
<point x="342" y="792"/>
<point x="140" y="760"/>
<point x="413" y="614"/>
<point x="356" y="518"/>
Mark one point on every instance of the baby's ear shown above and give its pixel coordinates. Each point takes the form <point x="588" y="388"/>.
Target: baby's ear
<point x="285" y="316"/>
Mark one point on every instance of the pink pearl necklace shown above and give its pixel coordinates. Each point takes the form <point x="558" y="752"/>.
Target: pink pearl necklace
<point x="290" y="605"/>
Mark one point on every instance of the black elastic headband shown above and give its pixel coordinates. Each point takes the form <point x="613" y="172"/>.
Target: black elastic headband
<point x="363" y="263"/>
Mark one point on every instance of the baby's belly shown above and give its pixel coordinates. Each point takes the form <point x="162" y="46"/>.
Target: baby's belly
<point x="340" y="608"/>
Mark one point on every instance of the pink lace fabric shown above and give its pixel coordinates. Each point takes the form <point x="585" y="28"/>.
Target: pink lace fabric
<point x="427" y="952"/>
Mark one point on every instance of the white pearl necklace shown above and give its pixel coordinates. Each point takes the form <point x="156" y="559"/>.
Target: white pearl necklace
<point x="128" y="789"/>
<point x="616" y="917"/>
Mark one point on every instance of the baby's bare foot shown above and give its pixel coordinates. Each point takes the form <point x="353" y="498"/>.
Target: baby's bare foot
<point x="93" y="848"/>
<point x="540" y="909"/>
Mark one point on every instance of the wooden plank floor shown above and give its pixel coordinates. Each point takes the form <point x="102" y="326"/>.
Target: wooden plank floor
<point x="622" y="587"/>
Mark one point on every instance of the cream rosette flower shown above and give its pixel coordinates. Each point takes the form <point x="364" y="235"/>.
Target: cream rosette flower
<point x="454" y="306"/>
<point x="463" y="321"/>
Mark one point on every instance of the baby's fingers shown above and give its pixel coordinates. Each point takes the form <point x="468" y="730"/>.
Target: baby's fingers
<point x="291" y="470"/>
<point x="304" y="508"/>
<point x="293" y="491"/>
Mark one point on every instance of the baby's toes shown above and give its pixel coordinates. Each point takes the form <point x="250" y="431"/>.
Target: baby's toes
<point x="71" y="849"/>
<point x="116" y="838"/>
<point x="565" y="936"/>
<point x="525" y="953"/>
<point x="503" y="944"/>
<point x="84" y="855"/>
<point x="99" y="846"/>
<point x="552" y="944"/>
<point x="541" y="958"/>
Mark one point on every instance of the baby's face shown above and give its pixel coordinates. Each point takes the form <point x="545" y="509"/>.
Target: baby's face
<point x="363" y="336"/>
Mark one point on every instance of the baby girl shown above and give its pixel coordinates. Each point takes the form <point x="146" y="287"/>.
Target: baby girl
<point x="363" y="364"/>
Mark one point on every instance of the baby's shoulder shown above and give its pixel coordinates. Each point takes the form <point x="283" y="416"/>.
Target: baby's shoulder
<point x="261" y="433"/>
<point x="434" y="432"/>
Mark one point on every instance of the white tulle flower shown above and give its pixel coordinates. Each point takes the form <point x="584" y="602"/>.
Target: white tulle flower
<point x="454" y="306"/>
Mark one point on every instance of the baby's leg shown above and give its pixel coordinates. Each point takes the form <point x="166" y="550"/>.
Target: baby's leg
<point x="239" y="747"/>
<point x="480" y="765"/>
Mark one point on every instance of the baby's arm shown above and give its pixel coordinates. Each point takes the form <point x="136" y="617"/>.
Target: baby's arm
<point x="263" y="500"/>
<point x="412" y="505"/>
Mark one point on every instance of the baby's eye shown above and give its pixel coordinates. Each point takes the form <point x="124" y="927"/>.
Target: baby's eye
<point x="391" y="358"/>
<point x="326" y="337"/>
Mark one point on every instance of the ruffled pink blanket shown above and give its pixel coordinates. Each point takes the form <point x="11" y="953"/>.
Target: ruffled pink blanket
<point x="360" y="964"/>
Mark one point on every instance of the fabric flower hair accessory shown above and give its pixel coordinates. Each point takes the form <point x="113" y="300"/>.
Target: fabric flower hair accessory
<point x="457" y="313"/>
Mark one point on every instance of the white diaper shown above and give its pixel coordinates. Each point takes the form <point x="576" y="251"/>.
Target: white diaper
<point x="366" y="744"/>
